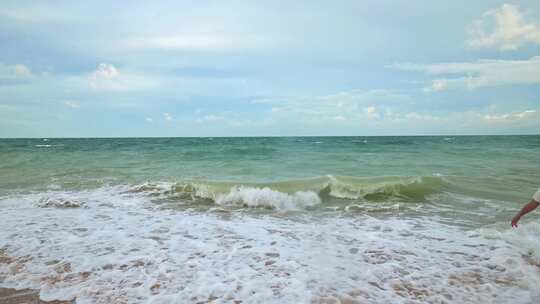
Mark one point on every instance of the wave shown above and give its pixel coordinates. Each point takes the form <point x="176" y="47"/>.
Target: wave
<point x="297" y="194"/>
<point x="47" y="146"/>
<point x="268" y="198"/>
<point x="59" y="202"/>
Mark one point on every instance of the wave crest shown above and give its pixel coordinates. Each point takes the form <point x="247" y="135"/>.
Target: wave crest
<point x="297" y="194"/>
<point x="59" y="202"/>
<point x="268" y="198"/>
<point x="381" y="188"/>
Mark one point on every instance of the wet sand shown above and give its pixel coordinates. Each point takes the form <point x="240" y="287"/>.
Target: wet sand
<point x="25" y="296"/>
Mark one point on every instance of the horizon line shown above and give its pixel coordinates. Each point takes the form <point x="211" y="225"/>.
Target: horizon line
<point x="268" y="136"/>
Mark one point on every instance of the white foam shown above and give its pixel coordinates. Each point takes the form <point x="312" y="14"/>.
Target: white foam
<point x="115" y="196"/>
<point x="48" y="202"/>
<point x="236" y="196"/>
<point x="47" y="145"/>
<point x="266" y="197"/>
<point x="119" y="250"/>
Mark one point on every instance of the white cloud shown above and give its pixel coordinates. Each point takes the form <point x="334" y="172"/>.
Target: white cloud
<point x="371" y="112"/>
<point x="167" y="116"/>
<point x="420" y="117"/>
<point x="437" y="85"/>
<point x="229" y="120"/>
<point x="108" y="78"/>
<point x="386" y="112"/>
<point x="21" y="70"/>
<point x="481" y="73"/>
<point x="198" y="42"/>
<point x="512" y="117"/>
<point x="103" y="78"/>
<point x="210" y="118"/>
<point x="105" y="71"/>
<point x="345" y="108"/>
<point x="148" y="119"/>
<point x="15" y="72"/>
<point x="72" y="104"/>
<point x="339" y="118"/>
<point x="510" y="31"/>
<point x="36" y="14"/>
<point x="348" y="101"/>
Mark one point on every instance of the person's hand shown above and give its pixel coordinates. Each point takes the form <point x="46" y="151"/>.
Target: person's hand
<point x="515" y="220"/>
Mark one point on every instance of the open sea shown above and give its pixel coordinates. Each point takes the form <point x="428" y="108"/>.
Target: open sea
<point x="271" y="219"/>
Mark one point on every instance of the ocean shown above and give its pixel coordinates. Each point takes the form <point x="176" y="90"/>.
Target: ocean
<point x="271" y="219"/>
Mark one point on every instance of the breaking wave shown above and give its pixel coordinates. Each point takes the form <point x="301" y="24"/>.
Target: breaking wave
<point x="297" y="194"/>
<point x="59" y="202"/>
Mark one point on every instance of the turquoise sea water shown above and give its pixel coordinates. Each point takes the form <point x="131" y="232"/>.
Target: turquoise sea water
<point x="503" y="168"/>
<point x="399" y="203"/>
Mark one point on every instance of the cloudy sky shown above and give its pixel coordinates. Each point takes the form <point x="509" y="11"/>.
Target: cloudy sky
<point x="245" y="68"/>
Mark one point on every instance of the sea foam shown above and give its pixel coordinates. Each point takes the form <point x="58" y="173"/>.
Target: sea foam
<point x="266" y="197"/>
<point x="119" y="249"/>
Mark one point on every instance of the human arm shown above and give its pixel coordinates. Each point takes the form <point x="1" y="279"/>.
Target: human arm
<point x="530" y="206"/>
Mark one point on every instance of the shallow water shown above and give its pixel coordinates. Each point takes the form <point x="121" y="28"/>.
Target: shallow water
<point x="278" y="220"/>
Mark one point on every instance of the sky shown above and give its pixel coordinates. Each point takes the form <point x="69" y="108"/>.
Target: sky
<point x="268" y="68"/>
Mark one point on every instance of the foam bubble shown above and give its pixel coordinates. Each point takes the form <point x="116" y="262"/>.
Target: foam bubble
<point x="48" y="202"/>
<point x="47" y="146"/>
<point x="266" y="197"/>
<point x="116" y="251"/>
